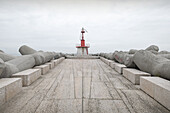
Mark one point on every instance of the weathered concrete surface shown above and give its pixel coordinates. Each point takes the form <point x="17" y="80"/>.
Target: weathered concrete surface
<point x="16" y="65"/>
<point x="82" y="86"/>
<point x="119" y="68"/>
<point x="61" y="59"/>
<point x="44" y="68"/>
<point x="128" y="61"/>
<point x="6" y="57"/>
<point x="132" y="51"/>
<point x="1" y="51"/>
<point x="51" y="64"/>
<point x="26" y="50"/>
<point x="9" y="87"/>
<point x="112" y="64"/>
<point x="82" y="57"/>
<point x="2" y="66"/>
<point x="134" y="75"/>
<point x="165" y="55"/>
<point x="153" y="64"/>
<point x="157" y="88"/>
<point x="106" y="60"/>
<point x="152" y="48"/>
<point x="39" y="56"/>
<point x="57" y="61"/>
<point x="28" y="76"/>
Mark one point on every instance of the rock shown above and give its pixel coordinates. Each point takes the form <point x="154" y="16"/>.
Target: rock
<point x="23" y="62"/>
<point x="95" y="54"/>
<point x="128" y="61"/>
<point x="119" y="56"/>
<point x="125" y="58"/>
<point x="106" y="55"/>
<point x="102" y="54"/>
<point x="48" y="56"/>
<point x="164" y="52"/>
<point x="165" y="56"/>
<point x="57" y="55"/>
<point x="40" y="57"/>
<point x="5" y="57"/>
<point x="16" y="65"/>
<point x="25" y="50"/>
<point x="62" y="55"/>
<point x="153" y="64"/>
<point x="152" y="48"/>
<point x="1" y="51"/>
<point x="111" y="56"/>
<point x="133" y="51"/>
<point x="154" y="52"/>
<point x="2" y="66"/>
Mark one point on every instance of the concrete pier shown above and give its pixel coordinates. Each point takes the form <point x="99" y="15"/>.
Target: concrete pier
<point x="82" y="86"/>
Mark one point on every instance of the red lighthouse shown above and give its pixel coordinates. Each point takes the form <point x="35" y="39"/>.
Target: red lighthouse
<point x="82" y="49"/>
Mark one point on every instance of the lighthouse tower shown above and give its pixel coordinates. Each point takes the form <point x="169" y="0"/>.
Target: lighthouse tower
<point x="82" y="50"/>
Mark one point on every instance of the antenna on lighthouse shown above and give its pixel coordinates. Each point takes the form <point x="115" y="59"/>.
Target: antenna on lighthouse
<point x="82" y="32"/>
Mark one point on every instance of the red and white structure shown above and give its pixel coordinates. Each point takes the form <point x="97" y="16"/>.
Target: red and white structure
<point x="82" y="49"/>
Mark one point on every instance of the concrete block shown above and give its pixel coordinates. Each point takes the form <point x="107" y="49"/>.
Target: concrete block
<point x="106" y="60"/>
<point x="158" y="88"/>
<point x="9" y="87"/>
<point x="101" y="58"/>
<point x="61" y="59"/>
<point x="134" y="75"/>
<point x="57" y="61"/>
<point x="119" y="67"/>
<point x="44" y="68"/>
<point x="112" y="64"/>
<point x="28" y="76"/>
<point x="2" y="94"/>
<point x="51" y="65"/>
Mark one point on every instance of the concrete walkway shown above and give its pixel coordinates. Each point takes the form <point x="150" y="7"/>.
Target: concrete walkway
<point x="82" y="86"/>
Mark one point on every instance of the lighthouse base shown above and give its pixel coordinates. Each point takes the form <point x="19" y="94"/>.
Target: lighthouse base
<point x="82" y="51"/>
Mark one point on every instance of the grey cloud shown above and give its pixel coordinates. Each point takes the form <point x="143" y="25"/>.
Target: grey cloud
<point x="112" y="24"/>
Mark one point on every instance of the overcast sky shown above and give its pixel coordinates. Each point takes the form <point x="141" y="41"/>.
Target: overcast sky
<point x="55" y="25"/>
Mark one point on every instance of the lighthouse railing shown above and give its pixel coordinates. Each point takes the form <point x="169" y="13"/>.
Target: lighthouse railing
<point x="87" y="44"/>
